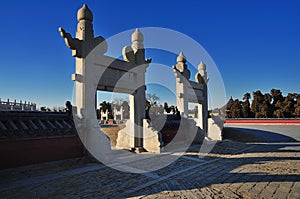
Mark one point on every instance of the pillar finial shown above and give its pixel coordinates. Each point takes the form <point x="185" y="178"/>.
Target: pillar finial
<point x="84" y="13"/>
<point x="84" y="41"/>
<point x="181" y="66"/>
<point x="137" y="39"/>
<point x="201" y="66"/>
<point x="136" y="52"/>
<point x="201" y="75"/>
<point x="181" y="58"/>
<point x="137" y="36"/>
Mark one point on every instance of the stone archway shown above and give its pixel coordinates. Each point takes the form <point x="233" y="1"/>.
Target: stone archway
<point x="96" y="71"/>
<point x="189" y="91"/>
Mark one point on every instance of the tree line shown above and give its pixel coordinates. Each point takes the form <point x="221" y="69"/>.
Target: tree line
<point x="268" y="105"/>
<point x="152" y="107"/>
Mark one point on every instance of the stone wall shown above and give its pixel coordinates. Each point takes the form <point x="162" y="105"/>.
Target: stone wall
<point x="34" y="137"/>
<point x="16" y="125"/>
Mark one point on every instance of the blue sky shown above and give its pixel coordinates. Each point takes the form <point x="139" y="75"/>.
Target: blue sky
<point x="255" y="44"/>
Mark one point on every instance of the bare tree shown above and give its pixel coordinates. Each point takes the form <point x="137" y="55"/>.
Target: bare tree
<point x="119" y="101"/>
<point x="152" y="98"/>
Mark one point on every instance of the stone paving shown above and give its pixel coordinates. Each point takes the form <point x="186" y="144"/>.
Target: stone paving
<point x="230" y="170"/>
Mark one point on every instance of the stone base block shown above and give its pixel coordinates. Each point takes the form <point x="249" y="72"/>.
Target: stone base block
<point x="125" y="139"/>
<point x="152" y="138"/>
<point x="215" y="126"/>
<point x="192" y="133"/>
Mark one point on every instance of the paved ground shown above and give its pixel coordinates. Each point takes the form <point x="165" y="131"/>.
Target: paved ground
<point x="230" y="170"/>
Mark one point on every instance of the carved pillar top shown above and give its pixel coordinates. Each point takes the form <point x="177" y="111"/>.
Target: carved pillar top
<point x="84" y="41"/>
<point x="181" y="58"/>
<point x="181" y="66"/>
<point x="85" y="26"/>
<point x="84" y="13"/>
<point x="137" y="39"/>
<point x="136" y="52"/>
<point x="201" y="75"/>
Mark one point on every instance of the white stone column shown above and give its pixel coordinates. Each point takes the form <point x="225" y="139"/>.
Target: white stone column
<point x="86" y="80"/>
<point x="181" y="98"/>
<point x="137" y="46"/>
<point x="115" y="113"/>
<point x="205" y="108"/>
<point x="201" y="78"/>
<point x="139" y="109"/>
<point x="121" y="113"/>
<point x="182" y="74"/>
<point x="200" y="116"/>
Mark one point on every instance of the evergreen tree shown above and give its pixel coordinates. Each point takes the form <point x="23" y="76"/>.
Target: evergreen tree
<point x="267" y="105"/>
<point x="289" y="104"/>
<point x="297" y="106"/>
<point x="236" y="109"/>
<point x="278" y="112"/>
<point x="266" y="108"/>
<point x="256" y="104"/>
<point x="126" y="110"/>
<point x="106" y="106"/>
<point x="246" y="106"/>
<point x="276" y="95"/>
<point x="228" y="108"/>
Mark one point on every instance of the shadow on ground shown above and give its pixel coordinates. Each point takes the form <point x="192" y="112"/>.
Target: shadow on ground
<point x="252" y="135"/>
<point x="268" y="167"/>
<point x="250" y="160"/>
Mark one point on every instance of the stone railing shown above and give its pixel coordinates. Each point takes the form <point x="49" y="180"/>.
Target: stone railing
<point x="35" y="124"/>
<point x="16" y="106"/>
<point x="29" y="137"/>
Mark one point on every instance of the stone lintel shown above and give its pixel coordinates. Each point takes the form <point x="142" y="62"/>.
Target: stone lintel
<point x="115" y="63"/>
<point x="199" y="100"/>
<point x="196" y="86"/>
<point x="115" y="89"/>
